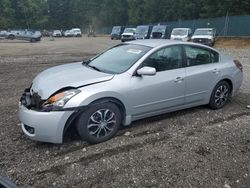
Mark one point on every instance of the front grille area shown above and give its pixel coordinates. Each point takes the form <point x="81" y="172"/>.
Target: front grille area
<point x="33" y="102"/>
<point x="127" y="36"/>
<point x="201" y="40"/>
<point x="156" y="35"/>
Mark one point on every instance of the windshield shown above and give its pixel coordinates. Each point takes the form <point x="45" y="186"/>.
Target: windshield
<point x="129" y="30"/>
<point x="142" y="30"/>
<point x="116" y="29"/>
<point x="119" y="58"/>
<point x="180" y="32"/>
<point x="160" y="29"/>
<point x="203" y="32"/>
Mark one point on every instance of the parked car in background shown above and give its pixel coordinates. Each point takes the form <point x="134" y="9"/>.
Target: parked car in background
<point x="68" y="33"/>
<point x="76" y="32"/>
<point x="46" y="33"/>
<point x="183" y="34"/>
<point x="143" y="31"/>
<point x="160" y="32"/>
<point x="57" y="33"/>
<point x="204" y="36"/>
<point x="128" y="34"/>
<point x="131" y="81"/>
<point x="3" y="34"/>
<point x="29" y="35"/>
<point x="116" y="32"/>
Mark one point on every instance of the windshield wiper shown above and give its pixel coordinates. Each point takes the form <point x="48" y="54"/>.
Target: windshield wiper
<point x="94" y="67"/>
<point x="85" y="62"/>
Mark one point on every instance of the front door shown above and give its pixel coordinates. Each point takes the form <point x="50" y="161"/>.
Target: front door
<point x="149" y="94"/>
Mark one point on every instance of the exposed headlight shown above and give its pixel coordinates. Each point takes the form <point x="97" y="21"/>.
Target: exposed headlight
<point x="58" y="101"/>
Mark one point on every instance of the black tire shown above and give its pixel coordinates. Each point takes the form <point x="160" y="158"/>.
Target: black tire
<point x="94" y="127"/>
<point x="32" y="40"/>
<point x="11" y="37"/>
<point x="220" y="95"/>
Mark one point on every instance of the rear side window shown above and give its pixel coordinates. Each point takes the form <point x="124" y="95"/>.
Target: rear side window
<point x="200" y="56"/>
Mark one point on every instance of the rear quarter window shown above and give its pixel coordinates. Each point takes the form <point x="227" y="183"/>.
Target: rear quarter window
<point x="196" y="55"/>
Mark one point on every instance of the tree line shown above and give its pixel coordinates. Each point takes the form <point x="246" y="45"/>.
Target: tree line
<point x="62" y="14"/>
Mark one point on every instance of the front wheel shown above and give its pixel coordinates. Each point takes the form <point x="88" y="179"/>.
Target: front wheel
<point x="220" y="95"/>
<point x="11" y="37"/>
<point x="32" y="40"/>
<point x="99" y="123"/>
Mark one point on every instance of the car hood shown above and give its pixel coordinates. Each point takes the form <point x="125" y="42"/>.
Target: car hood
<point x="202" y="37"/>
<point x="178" y="36"/>
<point x="65" y="76"/>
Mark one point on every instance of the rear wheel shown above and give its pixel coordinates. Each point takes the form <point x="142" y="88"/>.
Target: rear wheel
<point x="99" y="123"/>
<point x="220" y="95"/>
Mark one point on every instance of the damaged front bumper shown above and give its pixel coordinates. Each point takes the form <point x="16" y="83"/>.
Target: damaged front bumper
<point x="41" y="125"/>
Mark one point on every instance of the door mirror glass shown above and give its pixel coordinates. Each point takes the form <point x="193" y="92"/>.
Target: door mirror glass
<point x="149" y="71"/>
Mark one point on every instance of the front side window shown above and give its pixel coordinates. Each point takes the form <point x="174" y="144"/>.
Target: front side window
<point x="200" y="56"/>
<point x="119" y="58"/>
<point x="165" y="59"/>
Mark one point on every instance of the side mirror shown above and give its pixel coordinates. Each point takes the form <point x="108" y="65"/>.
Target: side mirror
<point x="147" y="71"/>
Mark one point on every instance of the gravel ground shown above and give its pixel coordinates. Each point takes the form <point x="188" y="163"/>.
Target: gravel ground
<point x="196" y="147"/>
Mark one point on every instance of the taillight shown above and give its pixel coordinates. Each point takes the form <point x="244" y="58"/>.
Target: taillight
<point x="238" y="65"/>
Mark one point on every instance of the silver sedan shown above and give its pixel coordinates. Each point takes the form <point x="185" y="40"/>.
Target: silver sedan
<point x="130" y="81"/>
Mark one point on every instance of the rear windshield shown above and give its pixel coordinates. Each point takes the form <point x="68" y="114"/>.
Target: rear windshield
<point x="119" y="58"/>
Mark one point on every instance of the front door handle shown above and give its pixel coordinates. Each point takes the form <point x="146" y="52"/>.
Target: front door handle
<point x="216" y="71"/>
<point x="179" y="79"/>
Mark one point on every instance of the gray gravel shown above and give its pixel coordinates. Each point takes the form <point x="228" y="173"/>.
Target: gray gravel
<point x="196" y="147"/>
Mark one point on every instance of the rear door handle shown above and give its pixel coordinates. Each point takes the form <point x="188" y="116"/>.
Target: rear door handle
<point x="179" y="79"/>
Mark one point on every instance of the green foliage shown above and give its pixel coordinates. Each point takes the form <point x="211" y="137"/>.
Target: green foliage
<point x="62" y="14"/>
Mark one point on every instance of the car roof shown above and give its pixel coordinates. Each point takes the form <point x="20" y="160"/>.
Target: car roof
<point x="161" y="42"/>
<point x="181" y="28"/>
<point x="154" y="42"/>
<point x="204" y="28"/>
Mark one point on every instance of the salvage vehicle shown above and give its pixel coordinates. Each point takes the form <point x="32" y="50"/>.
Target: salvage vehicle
<point x="183" y="34"/>
<point x="131" y="81"/>
<point x="128" y="34"/>
<point x="29" y="35"/>
<point x="116" y="32"/>
<point x="143" y="31"/>
<point x="68" y="33"/>
<point x="160" y="32"/>
<point x="204" y="36"/>
<point x="57" y="33"/>
<point x="77" y="32"/>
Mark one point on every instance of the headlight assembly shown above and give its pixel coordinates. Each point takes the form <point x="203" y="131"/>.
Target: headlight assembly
<point x="58" y="101"/>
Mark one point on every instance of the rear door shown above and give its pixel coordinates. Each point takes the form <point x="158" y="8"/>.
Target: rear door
<point x="202" y="73"/>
